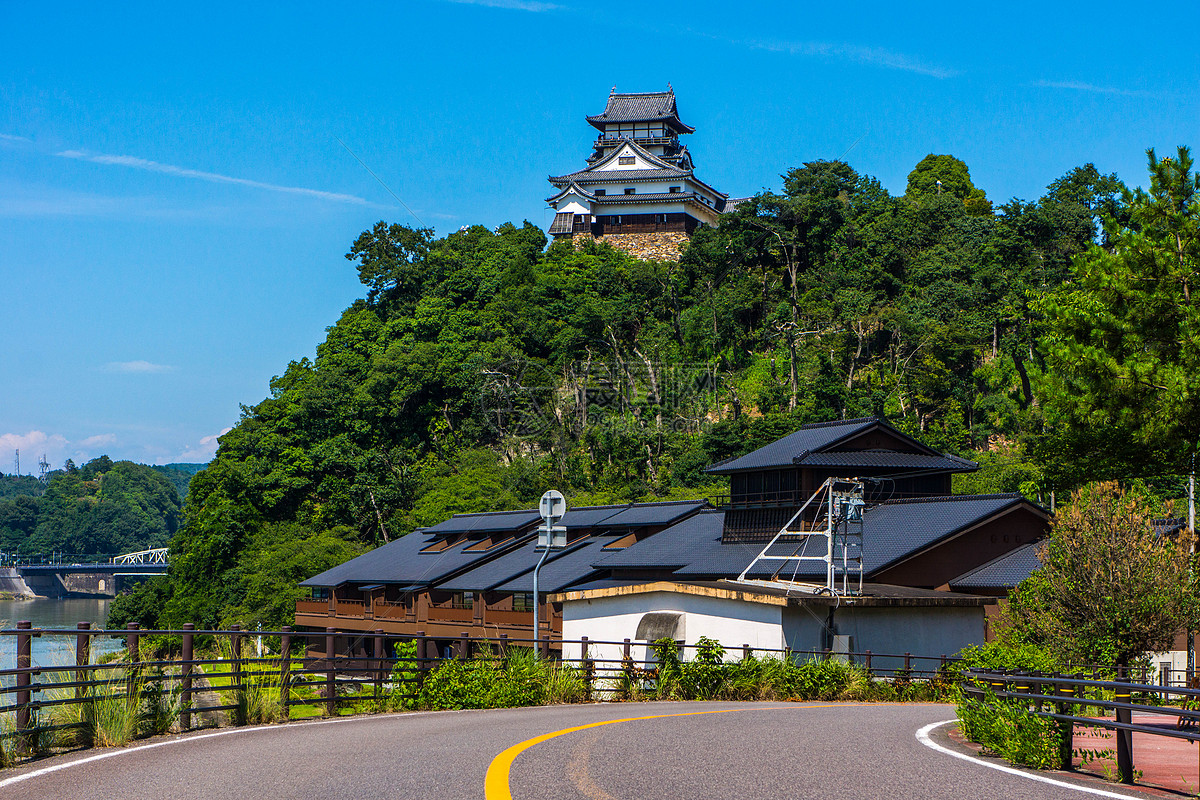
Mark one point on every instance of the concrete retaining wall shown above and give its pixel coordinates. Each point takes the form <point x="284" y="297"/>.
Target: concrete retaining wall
<point x="11" y="583"/>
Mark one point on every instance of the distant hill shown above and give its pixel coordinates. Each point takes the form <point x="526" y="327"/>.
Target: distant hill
<point x="101" y="507"/>
<point x="180" y="476"/>
<point x="13" y="485"/>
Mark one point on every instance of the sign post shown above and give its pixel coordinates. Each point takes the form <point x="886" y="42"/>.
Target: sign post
<point x="550" y="537"/>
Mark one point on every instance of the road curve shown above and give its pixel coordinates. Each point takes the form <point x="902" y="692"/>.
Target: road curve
<point x="745" y="750"/>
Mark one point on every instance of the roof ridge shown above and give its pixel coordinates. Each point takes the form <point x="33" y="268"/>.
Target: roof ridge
<point x="942" y="498"/>
<point x="836" y="422"/>
<point x="491" y="513"/>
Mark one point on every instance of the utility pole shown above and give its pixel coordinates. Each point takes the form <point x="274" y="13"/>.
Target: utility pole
<point x="1191" y="634"/>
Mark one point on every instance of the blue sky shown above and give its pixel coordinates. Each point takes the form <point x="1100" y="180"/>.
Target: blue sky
<point x="175" y="204"/>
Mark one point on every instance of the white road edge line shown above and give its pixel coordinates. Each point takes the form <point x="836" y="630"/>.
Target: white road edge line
<point x="924" y="738"/>
<point x="113" y="753"/>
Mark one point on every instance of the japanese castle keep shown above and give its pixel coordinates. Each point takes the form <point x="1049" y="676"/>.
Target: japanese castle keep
<point x="638" y="191"/>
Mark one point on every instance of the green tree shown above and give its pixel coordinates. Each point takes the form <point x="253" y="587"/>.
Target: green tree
<point x="945" y="174"/>
<point x="389" y="257"/>
<point x="1109" y="588"/>
<point x="1122" y="346"/>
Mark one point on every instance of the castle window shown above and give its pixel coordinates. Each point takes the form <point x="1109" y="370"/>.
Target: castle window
<point x="601" y="192"/>
<point x="630" y="190"/>
<point x="674" y="190"/>
<point x="625" y="161"/>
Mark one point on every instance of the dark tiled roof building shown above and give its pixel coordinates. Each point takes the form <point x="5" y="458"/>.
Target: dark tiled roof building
<point x="473" y="572"/>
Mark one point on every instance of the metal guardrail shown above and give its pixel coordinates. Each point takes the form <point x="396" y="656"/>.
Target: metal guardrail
<point x="1066" y="693"/>
<point x="311" y="667"/>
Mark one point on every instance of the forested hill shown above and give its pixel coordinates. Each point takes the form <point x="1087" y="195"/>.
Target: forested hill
<point x="484" y="367"/>
<point x="101" y="508"/>
<point x="180" y="475"/>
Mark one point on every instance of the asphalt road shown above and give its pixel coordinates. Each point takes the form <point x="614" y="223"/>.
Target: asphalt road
<point x="750" y="750"/>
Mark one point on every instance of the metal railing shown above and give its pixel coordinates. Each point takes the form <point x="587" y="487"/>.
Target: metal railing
<point x="211" y="672"/>
<point x="1067" y="694"/>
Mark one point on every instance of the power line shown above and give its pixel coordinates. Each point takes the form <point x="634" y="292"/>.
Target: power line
<point x="381" y="183"/>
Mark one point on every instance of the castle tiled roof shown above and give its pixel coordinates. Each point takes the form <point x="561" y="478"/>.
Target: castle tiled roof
<point x="619" y="175"/>
<point x="641" y="107"/>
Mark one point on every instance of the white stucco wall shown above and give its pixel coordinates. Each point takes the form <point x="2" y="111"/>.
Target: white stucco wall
<point x="614" y="619"/>
<point x="922" y="631"/>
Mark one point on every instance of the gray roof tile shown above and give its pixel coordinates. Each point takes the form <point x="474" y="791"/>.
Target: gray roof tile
<point x="488" y="522"/>
<point x="620" y="176"/>
<point x="891" y="531"/>
<point x="402" y="561"/>
<point x="640" y="107"/>
<point x="1004" y="572"/>
<point x="809" y="439"/>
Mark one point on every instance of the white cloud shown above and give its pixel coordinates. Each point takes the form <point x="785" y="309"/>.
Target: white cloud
<point x="871" y="56"/>
<point x="183" y="172"/>
<point x="136" y="366"/>
<point x="99" y="440"/>
<point x="8" y="137"/>
<point x="204" y="451"/>
<point x="32" y="445"/>
<point x="1080" y="86"/>
<point x="511" y="5"/>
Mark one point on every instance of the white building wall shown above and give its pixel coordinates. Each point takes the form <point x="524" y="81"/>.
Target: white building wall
<point x="614" y="619"/>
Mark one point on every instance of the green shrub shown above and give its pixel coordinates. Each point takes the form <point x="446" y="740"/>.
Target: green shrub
<point x="520" y="678"/>
<point x="1011" y="731"/>
<point x="405" y="677"/>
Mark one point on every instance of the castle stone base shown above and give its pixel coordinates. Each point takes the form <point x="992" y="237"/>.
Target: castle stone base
<point x="667" y="246"/>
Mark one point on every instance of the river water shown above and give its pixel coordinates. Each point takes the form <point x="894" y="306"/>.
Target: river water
<point x="43" y="612"/>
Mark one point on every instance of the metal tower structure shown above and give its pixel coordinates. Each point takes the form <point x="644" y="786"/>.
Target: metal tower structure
<point x="43" y="469"/>
<point x="832" y="517"/>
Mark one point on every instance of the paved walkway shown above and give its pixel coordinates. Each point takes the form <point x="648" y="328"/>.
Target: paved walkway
<point x="1165" y="762"/>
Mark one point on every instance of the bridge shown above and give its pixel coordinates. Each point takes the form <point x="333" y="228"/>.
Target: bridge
<point x="61" y="577"/>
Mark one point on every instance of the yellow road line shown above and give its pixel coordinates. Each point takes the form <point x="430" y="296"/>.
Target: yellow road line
<point x="495" y="783"/>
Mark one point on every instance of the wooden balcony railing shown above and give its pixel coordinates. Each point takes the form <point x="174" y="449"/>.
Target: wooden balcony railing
<point x="444" y="614"/>
<point x="312" y="606"/>
<point x="350" y="608"/>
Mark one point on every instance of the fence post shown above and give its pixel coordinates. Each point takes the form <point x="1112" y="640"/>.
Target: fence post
<point x="24" y="679"/>
<point x="185" y="677"/>
<point x="627" y="661"/>
<point x="464" y="646"/>
<point x="1124" y="737"/>
<point x="587" y="666"/>
<point x="378" y="664"/>
<point x="330" y="673"/>
<point x="747" y="652"/>
<point x="545" y="648"/>
<point x="285" y="666"/>
<point x="1066" y="728"/>
<point x="867" y="661"/>
<point x="131" y="643"/>
<point x="235" y="667"/>
<point x="83" y="655"/>
<point x="135" y="658"/>
<point x="420" y="640"/>
<point x="503" y="645"/>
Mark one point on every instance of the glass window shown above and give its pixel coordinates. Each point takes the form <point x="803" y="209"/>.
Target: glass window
<point x="601" y="192"/>
<point x="674" y="190"/>
<point x="630" y="190"/>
